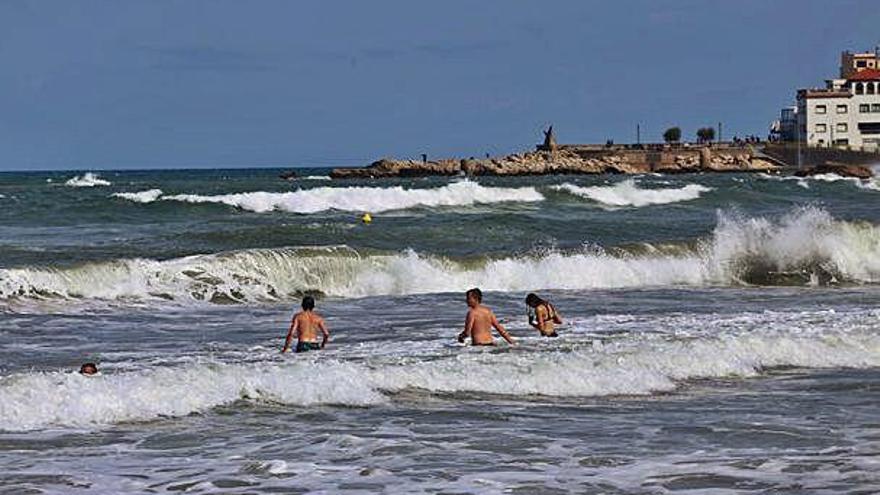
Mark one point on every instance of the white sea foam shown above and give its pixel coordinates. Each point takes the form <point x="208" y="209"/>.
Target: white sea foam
<point x="806" y="246"/>
<point x="636" y="365"/>
<point x="147" y="196"/>
<point x="865" y="184"/>
<point x="89" y="179"/>
<point x="316" y="177"/>
<point x="358" y="199"/>
<point x="266" y="275"/>
<point x="628" y="193"/>
<point x="807" y="241"/>
<point x="36" y="400"/>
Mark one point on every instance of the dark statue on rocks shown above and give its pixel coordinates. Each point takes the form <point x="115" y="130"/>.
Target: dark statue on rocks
<point x="549" y="140"/>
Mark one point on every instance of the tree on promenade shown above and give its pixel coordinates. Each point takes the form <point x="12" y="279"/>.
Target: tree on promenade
<point x="672" y="135"/>
<point x="705" y="134"/>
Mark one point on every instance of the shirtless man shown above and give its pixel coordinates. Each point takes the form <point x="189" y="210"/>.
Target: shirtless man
<point x="479" y="322"/>
<point x="305" y="325"/>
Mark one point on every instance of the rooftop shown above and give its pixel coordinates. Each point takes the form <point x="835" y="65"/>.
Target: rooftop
<point x="866" y="75"/>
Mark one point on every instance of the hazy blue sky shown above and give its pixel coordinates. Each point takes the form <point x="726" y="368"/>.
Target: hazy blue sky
<point x="125" y="84"/>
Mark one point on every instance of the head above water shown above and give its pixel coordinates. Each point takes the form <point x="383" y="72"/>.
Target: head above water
<point x="533" y="301"/>
<point x="308" y="303"/>
<point x="88" y="369"/>
<point x="475" y="295"/>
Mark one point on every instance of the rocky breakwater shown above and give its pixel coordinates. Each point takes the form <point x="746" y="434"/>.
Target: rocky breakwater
<point x="567" y="161"/>
<point x="841" y="169"/>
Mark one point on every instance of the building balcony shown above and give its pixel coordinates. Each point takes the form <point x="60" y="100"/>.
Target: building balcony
<point x="822" y="93"/>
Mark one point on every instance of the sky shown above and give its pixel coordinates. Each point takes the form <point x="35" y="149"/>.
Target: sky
<point x="190" y="83"/>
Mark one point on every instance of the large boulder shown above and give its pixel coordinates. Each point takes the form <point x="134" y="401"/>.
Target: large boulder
<point x="841" y="169"/>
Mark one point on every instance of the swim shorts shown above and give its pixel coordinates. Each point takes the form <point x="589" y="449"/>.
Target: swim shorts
<point x="307" y="346"/>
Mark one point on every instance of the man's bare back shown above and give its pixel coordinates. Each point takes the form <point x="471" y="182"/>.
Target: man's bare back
<point x="305" y="326"/>
<point x="308" y="324"/>
<point x="479" y="322"/>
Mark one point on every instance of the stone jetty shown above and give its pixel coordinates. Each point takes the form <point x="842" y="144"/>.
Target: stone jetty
<point x="575" y="159"/>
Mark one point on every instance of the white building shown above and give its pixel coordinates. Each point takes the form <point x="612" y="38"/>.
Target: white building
<point x="847" y="111"/>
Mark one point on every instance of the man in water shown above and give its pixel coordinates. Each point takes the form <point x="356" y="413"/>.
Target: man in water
<point x="305" y="325"/>
<point x="543" y="315"/>
<point x="88" y="369"/>
<point x="479" y="322"/>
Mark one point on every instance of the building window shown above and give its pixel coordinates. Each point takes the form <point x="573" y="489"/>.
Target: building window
<point x="860" y="89"/>
<point x="821" y="127"/>
<point x="869" y="89"/>
<point x="875" y="107"/>
<point x="841" y="108"/>
<point x="841" y="127"/>
<point x="861" y="63"/>
<point x="864" y="108"/>
<point x="820" y="109"/>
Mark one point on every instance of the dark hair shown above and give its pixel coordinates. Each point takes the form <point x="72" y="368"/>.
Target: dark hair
<point x="475" y="293"/>
<point x="88" y="369"/>
<point x="534" y="301"/>
<point x="308" y="303"/>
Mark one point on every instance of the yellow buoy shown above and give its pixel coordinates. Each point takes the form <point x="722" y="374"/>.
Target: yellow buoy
<point x="366" y="218"/>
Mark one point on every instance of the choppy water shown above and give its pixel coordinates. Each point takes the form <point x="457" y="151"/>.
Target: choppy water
<point x="721" y="337"/>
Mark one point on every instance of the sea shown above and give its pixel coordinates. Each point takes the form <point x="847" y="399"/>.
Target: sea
<point x="721" y="334"/>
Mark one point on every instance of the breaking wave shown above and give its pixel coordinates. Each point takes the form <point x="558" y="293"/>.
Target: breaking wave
<point x="807" y="246"/>
<point x="634" y="365"/>
<point x="865" y="184"/>
<point x="628" y="193"/>
<point x="360" y="199"/>
<point x="37" y="400"/>
<point x="140" y="197"/>
<point x="89" y="179"/>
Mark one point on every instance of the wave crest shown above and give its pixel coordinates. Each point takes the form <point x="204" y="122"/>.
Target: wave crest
<point x="37" y="400"/>
<point x="632" y="366"/>
<point x="628" y="193"/>
<point x="360" y="199"/>
<point x="89" y="179"/>
<point x="147" y="196"/>
<point x="805" y="247"/>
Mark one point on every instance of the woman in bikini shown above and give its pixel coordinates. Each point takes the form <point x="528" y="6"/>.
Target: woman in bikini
<point x="543" y="315"/>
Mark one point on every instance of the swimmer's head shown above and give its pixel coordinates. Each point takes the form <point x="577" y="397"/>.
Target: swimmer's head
<point x="475" y="295"/>
<point x="308" y="303"/>
<point x="88" y="369"/>
<point x="533" y="301"/>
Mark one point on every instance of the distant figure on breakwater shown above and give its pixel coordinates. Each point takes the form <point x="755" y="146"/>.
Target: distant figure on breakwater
<point x="549" y="140"/>
<point x="480" y="321"/>
<point x="305" y="325"/>
<point x="543" y="315"/>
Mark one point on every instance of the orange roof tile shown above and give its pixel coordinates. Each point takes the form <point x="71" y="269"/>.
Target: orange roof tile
<point x="866" y="75"/>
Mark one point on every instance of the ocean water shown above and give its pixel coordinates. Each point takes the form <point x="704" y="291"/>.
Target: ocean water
<point x="722" y="334"/>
